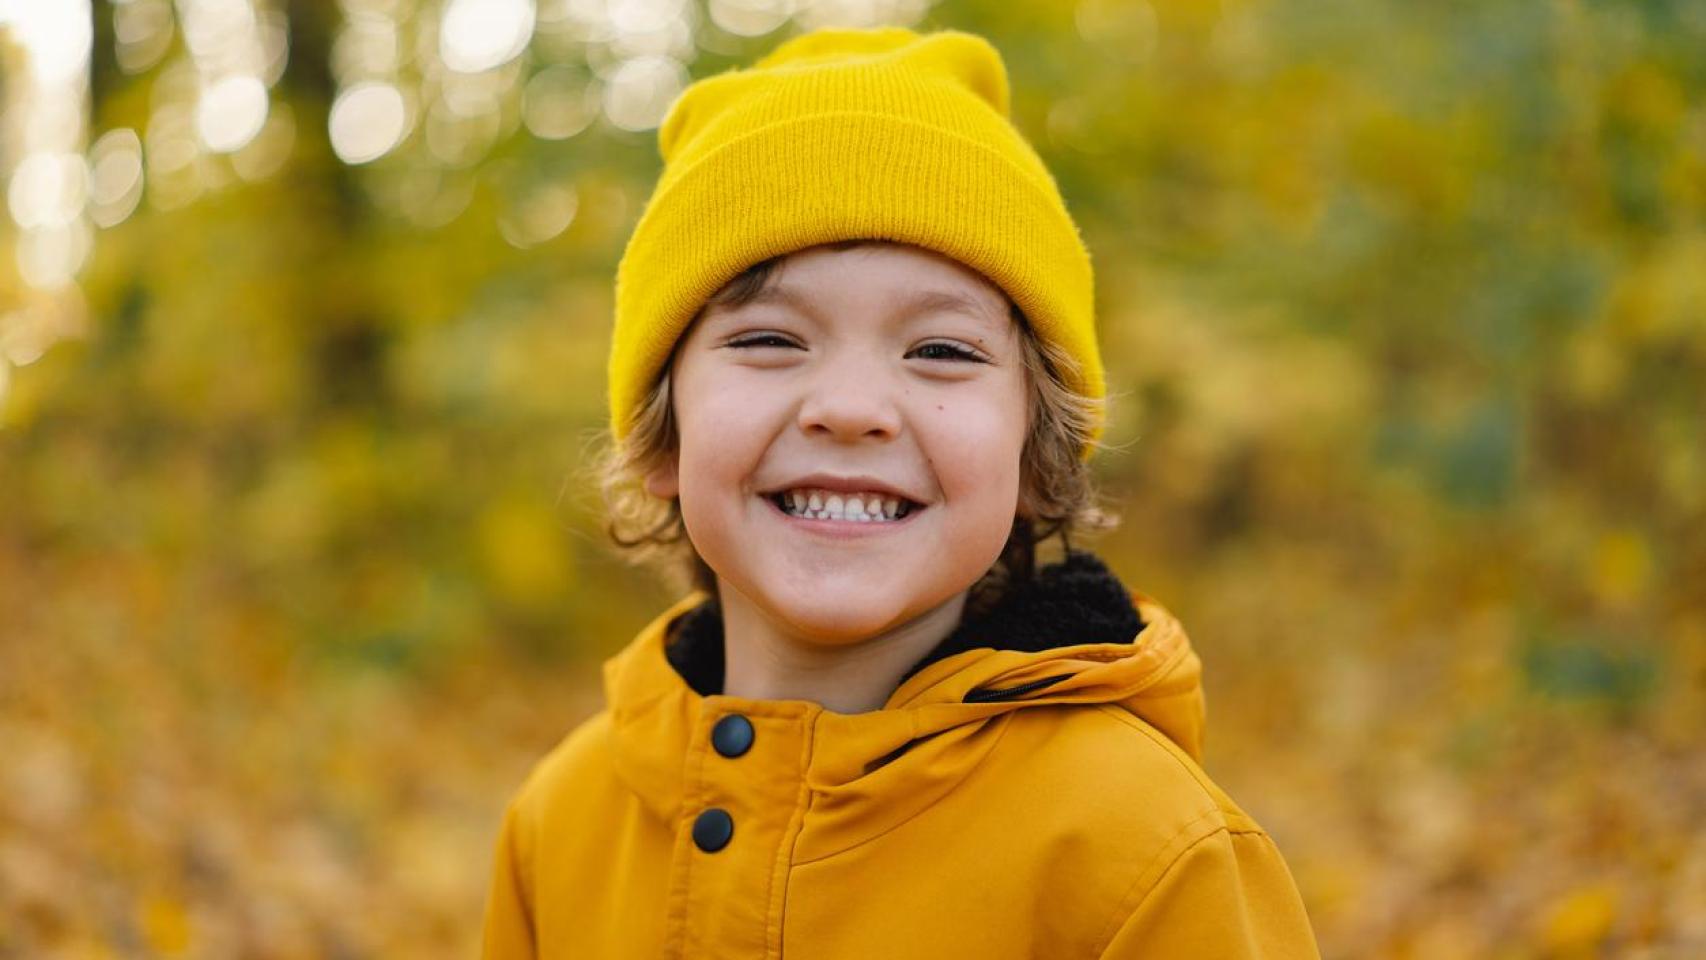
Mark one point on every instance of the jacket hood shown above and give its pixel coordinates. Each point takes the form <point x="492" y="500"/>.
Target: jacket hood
<point x="1071" y="635"/>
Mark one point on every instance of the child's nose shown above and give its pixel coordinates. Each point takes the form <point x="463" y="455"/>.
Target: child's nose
<point x="850" y="401"/>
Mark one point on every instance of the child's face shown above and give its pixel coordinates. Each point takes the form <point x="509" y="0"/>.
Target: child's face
<point x="852" y="386"/>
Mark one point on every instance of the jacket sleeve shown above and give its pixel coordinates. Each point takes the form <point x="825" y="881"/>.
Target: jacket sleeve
<point x="1228" y="896"/>
<point x="508" y="933"/>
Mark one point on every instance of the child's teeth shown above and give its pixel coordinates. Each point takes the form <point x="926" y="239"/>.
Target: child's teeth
<point x="853" y="508"/>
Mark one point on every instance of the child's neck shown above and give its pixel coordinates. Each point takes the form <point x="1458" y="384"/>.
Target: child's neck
<point x="763" y="660"/>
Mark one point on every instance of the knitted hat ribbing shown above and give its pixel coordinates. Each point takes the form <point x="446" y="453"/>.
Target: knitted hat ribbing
<point x="878" y="134"/>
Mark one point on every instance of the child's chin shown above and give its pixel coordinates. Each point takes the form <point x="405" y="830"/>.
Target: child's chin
<point x="841" y="623"/>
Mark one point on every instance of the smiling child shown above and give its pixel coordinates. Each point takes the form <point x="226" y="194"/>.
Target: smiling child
<point x="854" y="380"/>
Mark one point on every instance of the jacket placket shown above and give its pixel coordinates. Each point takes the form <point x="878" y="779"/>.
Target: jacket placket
<point x="745" y="796"/>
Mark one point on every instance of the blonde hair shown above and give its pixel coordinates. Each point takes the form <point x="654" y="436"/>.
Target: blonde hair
<point x="1055" y="481"/>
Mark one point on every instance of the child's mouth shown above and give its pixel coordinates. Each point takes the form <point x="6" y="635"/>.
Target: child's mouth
<point x="814" y="504"/>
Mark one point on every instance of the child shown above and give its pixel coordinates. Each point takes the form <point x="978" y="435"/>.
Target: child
<point x="854" y="362"/>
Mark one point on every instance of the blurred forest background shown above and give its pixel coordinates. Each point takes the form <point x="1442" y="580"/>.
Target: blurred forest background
<point x="303" y="319"/>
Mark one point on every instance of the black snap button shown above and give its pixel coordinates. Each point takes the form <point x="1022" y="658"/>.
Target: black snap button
<point x="732" y="735"/>
<point x="713" y="829"/>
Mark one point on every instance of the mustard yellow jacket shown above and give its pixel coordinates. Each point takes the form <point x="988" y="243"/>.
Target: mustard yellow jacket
<point x="1002" y="804"/>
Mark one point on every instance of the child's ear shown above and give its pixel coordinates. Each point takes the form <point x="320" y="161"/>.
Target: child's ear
<point x="663" y="481"/>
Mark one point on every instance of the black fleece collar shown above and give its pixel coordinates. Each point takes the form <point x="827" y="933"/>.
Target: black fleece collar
<point x="1078" y="600"/>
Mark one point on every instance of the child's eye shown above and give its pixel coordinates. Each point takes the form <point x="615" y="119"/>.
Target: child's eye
<point x="763" y="340"/>
<point x="947" y="351"/>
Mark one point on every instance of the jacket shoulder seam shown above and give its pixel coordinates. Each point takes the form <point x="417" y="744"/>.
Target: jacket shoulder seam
<point x="1139" y="892"/>
<point x="1236" y="820"/>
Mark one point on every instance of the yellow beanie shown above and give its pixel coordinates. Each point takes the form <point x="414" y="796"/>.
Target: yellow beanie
<point x="880" y="134"/>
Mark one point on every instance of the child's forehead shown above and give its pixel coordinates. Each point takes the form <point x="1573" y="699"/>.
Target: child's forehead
<point x="804" y="297"/>
<point x="894" y="278"/>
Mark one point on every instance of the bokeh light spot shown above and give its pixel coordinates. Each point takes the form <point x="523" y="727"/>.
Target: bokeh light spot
<point x="542" y="214"/>
<point x="49" y="256"/>
<point x="47" y="190"/>
<point x="231" y="112"/>
<point x="55" y="34"/>
<point x="641" y="90"/>
<point x="750" y="18"/>
<point x="142" y="33"/>
<point x="558" y="103"/>
<point x="367" y="121"/>
<point x="478" y="35"/>
<point x="115" y="176"/>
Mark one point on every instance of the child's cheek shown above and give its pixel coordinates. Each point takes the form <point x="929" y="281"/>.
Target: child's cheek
<point x="975" y="445"/>
<point x="719" y="412"/>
